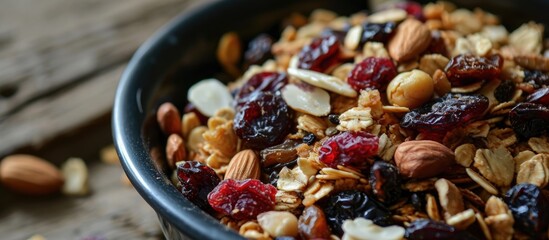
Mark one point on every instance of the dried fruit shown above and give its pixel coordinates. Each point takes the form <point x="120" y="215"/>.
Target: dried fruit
<point x="423" y="158"/>
<point x="445" y="113"/>
<point x="282" y="153"/>
<point x="259" y="50"/>
<point x="540" y="96"/>
<point x="312" y="224"/>
<point x="262" y="82"/>
<point x="320" y="55"/>
<point x="412" y="8"/>
<point x="373" y="73"/>
<point x="197" y="181"/>
<point x="429" y="229"/>
<point x="530" y="208"/>
<point x="30" y="175"/>
<point x="385" y="182"/>
<point x="536" y="78"/>
<point x="504" y="91"/>
<point x="352" y="204"/>
<point x="242" y="199"/>
<point x="465" y="69"/>
<point x="349" y="149"/>
<point x="309" y="139"/>
<point x="377" y="32"/>
<point x="259" y="116"/>
<point x="529" y="119"/>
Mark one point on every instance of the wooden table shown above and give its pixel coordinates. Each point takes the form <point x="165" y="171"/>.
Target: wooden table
<point x="60" y="61"/>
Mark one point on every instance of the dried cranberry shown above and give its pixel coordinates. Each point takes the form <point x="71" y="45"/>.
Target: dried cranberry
<point x="377" y="32"/>
<point x="372" y="72"/>
<point x="385" y="182"/>
<point x="321" y="54"/>
<point x="349" y="149"/>
<point x="263" y="120"/>
<point x="529" y="119"/>
<point x="446" y="113"/>
<point x="437" y="44"/>
<point x="312" y="224"/>
<point x="197" y="181"/>
<point x="536" y="78"/>
<point x="504" y="91"/>
<point x="259" y="50"/>
<point x="465" y="69"/>
<point x="412" y="8"/>
<point x="262" y="82"/>
<point x="540" y="96"/>
<point x="192" y="108"/>
<point x="530" y="208"/>
<point x="272" y="171"/>
<point x="242" y="199"/>
<point x="429" y="229"/>
<point x="352" y="204"/>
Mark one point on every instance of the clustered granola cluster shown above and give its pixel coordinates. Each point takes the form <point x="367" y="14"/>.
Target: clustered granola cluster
<point x="410" y="122"/>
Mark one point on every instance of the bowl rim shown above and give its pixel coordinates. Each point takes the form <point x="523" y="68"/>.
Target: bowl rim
<point x="161" y="196"/>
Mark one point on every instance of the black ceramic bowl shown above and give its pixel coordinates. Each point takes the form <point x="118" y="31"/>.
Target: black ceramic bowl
<point x="183" y="53"/>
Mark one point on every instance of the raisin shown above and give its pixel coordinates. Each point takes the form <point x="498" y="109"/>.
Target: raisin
<point x="281" y="153"/>
<point x="504" y="91"/>
<point x="529" y="119"/>
<point x="349" y="149"/>
<point x="530" y="208"/>
<point x="262" y="82"/>
<point x="272" y="171"/>
<point x="446" y="113"/>
<point x="352" y="204"/>
<point x="377" y="32"/>
<point x="242" y="199"/>
<point x="312" y="224"/>
<point x="429" y="229"/>
<point x="263" y="120"/>
<point x="309" y="139"/>
<point x="259" y="50"/>
<point x="334" y="118"/>
<point x="321" y="54"/>
<point x="465" y="69"/>
<point x="536" y="78"/>
<point x="437" y="44"/>
<point x="197" y="181"/>
<point x="540" y="96"/>
<point x="417" y="200"/>
<point x="385" y="182"/>
<point x="372" y="72"/>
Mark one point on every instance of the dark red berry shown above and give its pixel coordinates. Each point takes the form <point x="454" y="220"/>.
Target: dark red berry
<point x="242" y="199"/>
<point x="423" y="229"/>
<point x="259" y="50"/>
<point x="377" y="32"/>
<point x="536" y="78"/>
<point x="197" y="181"/>
<point x="385" y="182"/>
<point x="372" y="72"/>
<point x="352" y="204"/>
<point x="529" y="119"/>
<point x="263" y="120"/>
<point x="192" y="108"/>
<point x="504" y="91"/>
<point x="262" y="82"/>
<point x="540" y="96"/>
<point x="530" y="208"/>
<point x="412" y="8"/>
<point x="321" y="54"/>
<point x="465" y="69"/>
<point x="437" y="44"/>
<point x="349" y="149"/>
<point x="446" y="113"/>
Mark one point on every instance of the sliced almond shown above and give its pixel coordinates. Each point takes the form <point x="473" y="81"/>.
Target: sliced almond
<point x="209" y="95"/>
<point x="76" y="176"/>
<point x="244" y="165"/>
<point x="324" y="81"/>
<point x="306" y="98"/>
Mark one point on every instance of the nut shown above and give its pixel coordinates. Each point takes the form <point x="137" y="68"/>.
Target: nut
<point x="324" y="81"/>
<point x="411" y="38"/>
<point x="442" y="84"/>
<point x="278" y="223"/>
<point x="30" y="175"/>
<point x="431" y="207"/>
<point x="175" y="150"/>
<point x="423" y="158"/>
<point x="496" y="165"/>
<point x="244" y="165"/>
<point x="229" y="50"/>
<point x="533" y="61"/>
<point x="168" y="118"/>
<point x="365" y="229"/>
<point x="220" y="137"/>
<point x="527" y="38"/>
<point x="75" y="172"/>
<point x="352" y="39"/>
<point x="195" y="139"/>
<point x="450" y="198"/>
<point x="189" y="121"/>
<point x="306" y="98"/>
<point x="209" y="95"/>
<point x="410" y="89"/>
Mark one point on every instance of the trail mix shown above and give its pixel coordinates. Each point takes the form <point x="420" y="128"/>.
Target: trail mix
<point x="416" y="122"/>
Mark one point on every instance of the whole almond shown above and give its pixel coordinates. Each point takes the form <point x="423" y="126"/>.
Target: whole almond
<point x="244" y="165"/>
<point x="411" y="38"/>
<point x="423" y="158"/>
<point x="168" y="118"/>
<point x="30" y="175"/>
<point x="175" y="150"/>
